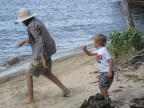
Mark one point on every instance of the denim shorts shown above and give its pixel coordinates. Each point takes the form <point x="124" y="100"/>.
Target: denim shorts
<point x="36" y="67"/>
<point x="105" y="81"/>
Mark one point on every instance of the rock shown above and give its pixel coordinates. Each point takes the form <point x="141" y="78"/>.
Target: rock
<point x="97" y="101"/>
<point x="85" y="104"/>
<point x="99" y="97"/>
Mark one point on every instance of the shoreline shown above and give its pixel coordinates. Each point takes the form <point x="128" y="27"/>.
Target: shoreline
<point x="19" y="68"/>
<point x="21" y="71"/>
<point x="77" y="72"/>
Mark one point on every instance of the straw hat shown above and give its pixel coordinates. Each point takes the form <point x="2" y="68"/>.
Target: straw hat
<point x="23" y="15"/>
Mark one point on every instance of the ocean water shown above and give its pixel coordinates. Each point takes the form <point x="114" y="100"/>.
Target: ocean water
<point x="72" y="24"/>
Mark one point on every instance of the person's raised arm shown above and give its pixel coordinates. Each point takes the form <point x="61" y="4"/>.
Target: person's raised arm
<point x="86" y="51"/>
<point x="20" y="44"/>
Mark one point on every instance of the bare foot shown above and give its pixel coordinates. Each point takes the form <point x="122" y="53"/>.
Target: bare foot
<point x="65" y="92"/>
<point x="27" y="101"/>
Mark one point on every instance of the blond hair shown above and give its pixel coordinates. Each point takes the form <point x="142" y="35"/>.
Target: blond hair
<point x="101" y="39"/>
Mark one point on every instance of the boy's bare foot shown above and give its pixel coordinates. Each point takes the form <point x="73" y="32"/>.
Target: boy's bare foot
<point x="27" y="101"/>
<point x="65" y="92"/>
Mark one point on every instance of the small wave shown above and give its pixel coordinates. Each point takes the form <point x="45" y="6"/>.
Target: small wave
<point x="2" y="68"/>
<point x="15" y="61"/>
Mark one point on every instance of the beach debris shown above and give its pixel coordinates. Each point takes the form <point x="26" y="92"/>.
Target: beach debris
<point x="117" y="90"/>
<point x="94" y="82"/>
<point x="134" y="78"/>
<point x="121" y="87"/>
<point x="139" y="79"/>
<point x="118" y="103"/>
<point x="97" y="101"/>
<point x="117" y="78"/>
<point x="95" y="72"/>
<point x="128" y="76"/>
<point x="142" y="74"/>
<point x="128" y="80"/>
<point x="132" y="87"/>
<point x="137" y="102"/>
<point x="116" y="70"/>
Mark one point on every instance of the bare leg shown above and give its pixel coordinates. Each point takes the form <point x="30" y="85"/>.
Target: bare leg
<point x="101" y="91"/>
<point x="55" y="80"/>
<point x="29" y="81"/>
<point x="105" y="93"/>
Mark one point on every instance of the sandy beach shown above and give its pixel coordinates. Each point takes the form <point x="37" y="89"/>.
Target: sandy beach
<point x="79" y="73"/>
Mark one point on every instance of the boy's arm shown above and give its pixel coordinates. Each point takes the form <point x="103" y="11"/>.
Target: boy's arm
<point x="86" y="51"/>
<point x="110" y="67"/>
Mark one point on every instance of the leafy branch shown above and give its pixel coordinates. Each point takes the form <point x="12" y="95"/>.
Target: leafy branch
<point x="123" y="42"/>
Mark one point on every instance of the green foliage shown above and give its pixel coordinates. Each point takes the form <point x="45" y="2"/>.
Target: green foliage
<point x="125" y="41"/>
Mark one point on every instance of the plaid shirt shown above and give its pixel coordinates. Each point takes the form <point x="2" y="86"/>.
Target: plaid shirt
<point x="40" y="39"/>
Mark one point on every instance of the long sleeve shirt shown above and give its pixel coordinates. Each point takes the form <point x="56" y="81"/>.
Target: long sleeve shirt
<point x="40" y="40"/>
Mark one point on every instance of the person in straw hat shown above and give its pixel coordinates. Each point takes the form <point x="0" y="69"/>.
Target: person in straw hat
<point x="43" y="47"/>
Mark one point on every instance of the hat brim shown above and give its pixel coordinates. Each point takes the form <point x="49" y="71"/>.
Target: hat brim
<point x="23" y="19"/>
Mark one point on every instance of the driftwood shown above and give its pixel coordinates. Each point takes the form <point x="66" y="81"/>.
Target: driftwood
<point x="141" y="52"/>
<point x="133" y="60"/>
<point x="136" y="60"/>
<point x="137" y="102"/>
<point x="136" y="65"/>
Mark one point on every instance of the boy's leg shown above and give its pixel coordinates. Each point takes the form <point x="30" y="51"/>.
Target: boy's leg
<point x="105" y="93"/>
<point x="101" y="91"/>
<point x="105" y="82"/>
<point x="55" y="80"/>
<point x="29" y="81"/>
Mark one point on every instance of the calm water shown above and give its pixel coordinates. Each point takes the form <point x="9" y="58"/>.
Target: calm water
<point x="72" y="24"/>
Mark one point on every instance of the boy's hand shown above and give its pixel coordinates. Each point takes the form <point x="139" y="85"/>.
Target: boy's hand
<point x="109" y="74"/>
<point x="84" y="48"/>
<point x="86" y="51"/>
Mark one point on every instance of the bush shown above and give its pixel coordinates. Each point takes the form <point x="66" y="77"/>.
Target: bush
<point x="125" y="41"/>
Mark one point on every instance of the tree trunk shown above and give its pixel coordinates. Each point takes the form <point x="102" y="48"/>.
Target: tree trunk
<point x="127" y="14"/>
